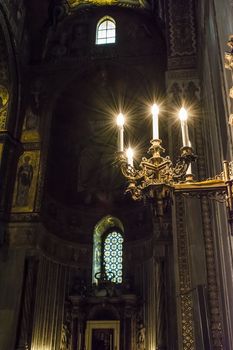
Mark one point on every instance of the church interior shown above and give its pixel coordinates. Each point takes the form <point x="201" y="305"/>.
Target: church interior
<point x="116" y="168"/>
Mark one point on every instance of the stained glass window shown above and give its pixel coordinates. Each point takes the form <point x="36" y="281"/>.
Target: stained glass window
<point x="113" y="256"/>
<point x="106" y="31"/>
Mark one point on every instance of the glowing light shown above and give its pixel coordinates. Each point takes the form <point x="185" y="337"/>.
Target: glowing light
<point x="129" y="155"/>
<point x="183" y="115"/>
<point x="155" y="121"/>
<point x="155" y="109"/>
<point x="120" y="123"/>
<point x="120" y="120"/>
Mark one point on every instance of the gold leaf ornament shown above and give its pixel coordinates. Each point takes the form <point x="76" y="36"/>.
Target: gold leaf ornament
<point x="4" y="97"/>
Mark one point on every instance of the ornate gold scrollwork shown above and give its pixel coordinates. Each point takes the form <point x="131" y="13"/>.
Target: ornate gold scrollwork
<point x="4" y="99"/>
<point x="156" y="179"/>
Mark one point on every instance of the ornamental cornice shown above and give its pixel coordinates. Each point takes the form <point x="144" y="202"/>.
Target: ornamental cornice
<point x="34" y="236"/>
<point x="125" y="3"/>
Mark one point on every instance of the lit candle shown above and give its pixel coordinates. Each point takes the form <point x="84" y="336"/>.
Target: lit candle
<point x="183" y="115"/>
<point x="155" y="121"/>
<point x="120" y="123"/>
<point x="129" y="155"/>
<point x="189" y="170"/>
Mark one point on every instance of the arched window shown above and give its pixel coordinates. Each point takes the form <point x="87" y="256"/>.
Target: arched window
<point x="108" y="250"/>
<point x="106" y="31"/>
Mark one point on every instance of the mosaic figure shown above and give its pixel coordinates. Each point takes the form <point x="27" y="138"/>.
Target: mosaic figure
<point x="24" y="177"/>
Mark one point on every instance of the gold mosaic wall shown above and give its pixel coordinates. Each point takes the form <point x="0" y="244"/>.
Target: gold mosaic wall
<point x="30" y="131"/>
<point x="4" y="98"/>
<point x="74" y="3"/>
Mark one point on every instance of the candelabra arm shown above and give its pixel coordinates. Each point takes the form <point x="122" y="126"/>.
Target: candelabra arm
<point x="201" y="186"/>
<point x="130" y="172"/>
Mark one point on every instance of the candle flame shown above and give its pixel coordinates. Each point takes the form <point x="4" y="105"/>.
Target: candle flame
<point x="129" y="152"/>
<point x="120" y="120"/>
<point x="155" y="109"/>
<point x="183" y="115"/>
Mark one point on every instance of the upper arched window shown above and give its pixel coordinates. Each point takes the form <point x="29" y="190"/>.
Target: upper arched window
<point x="106" y="31"/>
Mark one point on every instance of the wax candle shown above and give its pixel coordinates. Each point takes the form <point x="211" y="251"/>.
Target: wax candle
<point x="129" y="155"/>
<point x="155" y="121"/>
<point x="120" y="123"/>
<point x="183" y="115"/>
<point x="189" y="170"/>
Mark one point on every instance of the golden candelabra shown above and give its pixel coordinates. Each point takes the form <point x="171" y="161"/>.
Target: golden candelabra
<point x="157" y="179"/>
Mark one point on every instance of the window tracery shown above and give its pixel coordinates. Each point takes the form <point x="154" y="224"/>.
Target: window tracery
<point x="113" y="256"/>
<point x="106" y="31"/>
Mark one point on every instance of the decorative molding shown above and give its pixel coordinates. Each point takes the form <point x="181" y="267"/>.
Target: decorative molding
<point x="185" y="284"/>
<point x="182" y="85"/>
<point x="216" y="325"/>
<point x="184" y="62"/>
<point x="125" y="3"/>
<point x="187" y="90"/>
<point x="178" y="90"/>
<point x="36" y="237"/>
<point x="181" y="75"/>
<point x="182" y="32"/>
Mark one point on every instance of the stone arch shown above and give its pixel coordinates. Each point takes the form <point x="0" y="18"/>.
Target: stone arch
<point x="9" y="104"/>
<point x="9" y="79"/>
<point x="106" y="223"/>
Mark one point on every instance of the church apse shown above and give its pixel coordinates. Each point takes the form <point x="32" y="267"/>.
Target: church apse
<point x="83" y="137"/>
